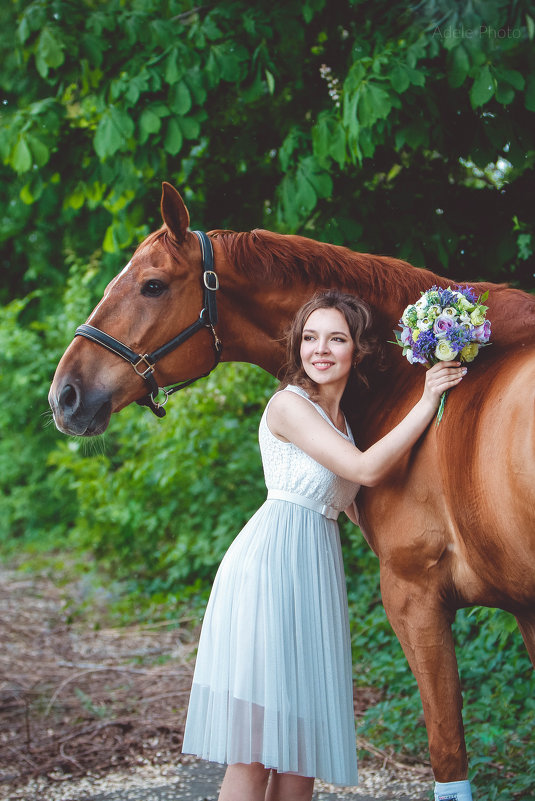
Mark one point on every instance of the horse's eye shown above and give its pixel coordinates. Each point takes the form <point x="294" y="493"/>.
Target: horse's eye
<point x="153" y="288"/>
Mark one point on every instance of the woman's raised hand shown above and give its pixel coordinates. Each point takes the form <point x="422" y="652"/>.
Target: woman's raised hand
<point x="441" y="377"/>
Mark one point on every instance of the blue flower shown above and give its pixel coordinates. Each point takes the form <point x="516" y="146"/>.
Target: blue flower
<point x="459" y="337"/>
<point x="447" y="297"/>
<point x="468" y="292"/>
<point x="425" y="344"/>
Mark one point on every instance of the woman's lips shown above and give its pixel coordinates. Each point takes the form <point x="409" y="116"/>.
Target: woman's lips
<point x="322" y="365"/>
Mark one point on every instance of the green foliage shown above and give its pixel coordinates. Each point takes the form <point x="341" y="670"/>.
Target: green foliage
<point x="162" y="501"/>
<point x="34" y="505"/>
<point x="387" y="127"/>
<point x="302" y="116"/>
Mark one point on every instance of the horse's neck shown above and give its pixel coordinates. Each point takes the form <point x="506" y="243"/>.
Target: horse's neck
<point x="266" y="277"/>
<point x="258" y="305"/>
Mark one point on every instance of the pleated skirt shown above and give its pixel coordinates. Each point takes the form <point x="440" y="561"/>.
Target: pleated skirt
<point x="273" y="681"/>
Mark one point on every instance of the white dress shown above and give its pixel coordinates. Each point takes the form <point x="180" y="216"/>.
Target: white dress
<point x="272" y="680"/>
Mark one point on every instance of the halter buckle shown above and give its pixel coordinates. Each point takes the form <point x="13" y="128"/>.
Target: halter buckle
<point x="148" y="370"/>
<point x="205" y="275"/>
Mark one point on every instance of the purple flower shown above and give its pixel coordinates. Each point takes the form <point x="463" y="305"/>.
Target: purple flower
<point x="406" y="336"/>
<point x="459" y="337"/>
<point x="415" y="358"/>
<point x="424" y="346"/>
<point x="468" y="292"/>
<point x="447" y="297"/>
<point x="442" y="326"/>
<point x="482" y="332"/>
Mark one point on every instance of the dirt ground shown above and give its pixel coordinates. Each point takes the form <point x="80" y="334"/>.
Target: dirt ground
<point x="96" y="713"/>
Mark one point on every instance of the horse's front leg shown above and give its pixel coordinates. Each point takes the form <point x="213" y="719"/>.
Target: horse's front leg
<point x="423" y="627"/>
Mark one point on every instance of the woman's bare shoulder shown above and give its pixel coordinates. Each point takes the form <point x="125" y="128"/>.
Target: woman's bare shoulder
<point x="286" y="399"/>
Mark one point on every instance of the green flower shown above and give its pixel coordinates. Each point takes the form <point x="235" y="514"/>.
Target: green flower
<point x="477" y="316"/>
<point x="410" y="316"/>
<point x="469" y="352"/>
<point x="465" y="304"/>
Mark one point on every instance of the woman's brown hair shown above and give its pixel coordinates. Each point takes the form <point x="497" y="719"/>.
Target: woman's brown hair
<point x="358" y="317"/>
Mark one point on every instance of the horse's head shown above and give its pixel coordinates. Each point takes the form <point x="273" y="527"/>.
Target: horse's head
<point x="159" y="294"/>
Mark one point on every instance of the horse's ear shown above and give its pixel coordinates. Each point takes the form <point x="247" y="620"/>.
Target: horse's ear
<point x="174" y="212"/>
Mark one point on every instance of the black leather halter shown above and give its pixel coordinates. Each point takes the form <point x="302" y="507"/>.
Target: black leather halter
<point x="144" y="364"/>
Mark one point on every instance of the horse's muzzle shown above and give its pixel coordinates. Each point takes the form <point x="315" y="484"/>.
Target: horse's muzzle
<point x="81" y="414"/>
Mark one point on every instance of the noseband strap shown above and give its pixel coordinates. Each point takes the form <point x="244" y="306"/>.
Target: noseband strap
<point x="144" y="364"/>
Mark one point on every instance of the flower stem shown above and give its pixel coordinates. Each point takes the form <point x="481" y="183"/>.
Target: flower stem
<point x="441" y="405"/>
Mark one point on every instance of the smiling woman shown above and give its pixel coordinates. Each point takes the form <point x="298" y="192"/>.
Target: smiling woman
<point x="355" y="324"/>
<point x="327" y="351"/>
<point x="272" y="691"/>
<point x="438" y="550"/>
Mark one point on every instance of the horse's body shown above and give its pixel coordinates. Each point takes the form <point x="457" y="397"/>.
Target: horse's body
<point x="452" y="527"/>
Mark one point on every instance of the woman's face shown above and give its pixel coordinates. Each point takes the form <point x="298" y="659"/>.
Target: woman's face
<point x="327" y="348"/>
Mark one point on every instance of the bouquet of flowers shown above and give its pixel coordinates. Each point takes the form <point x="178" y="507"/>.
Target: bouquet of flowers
<point x="444" y="324"/>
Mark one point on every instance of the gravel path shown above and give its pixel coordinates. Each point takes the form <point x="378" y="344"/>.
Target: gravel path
<point x="199" y="781"/>
<point x="95" y="713"/>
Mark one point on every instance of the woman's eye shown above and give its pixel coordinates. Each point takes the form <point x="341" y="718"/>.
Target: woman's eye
<point x="153" y="288"/>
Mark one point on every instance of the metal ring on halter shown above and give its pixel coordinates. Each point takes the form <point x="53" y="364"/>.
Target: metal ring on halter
<point x="158" y="403"/>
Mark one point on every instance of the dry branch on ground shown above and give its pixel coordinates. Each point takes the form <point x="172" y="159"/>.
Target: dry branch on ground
<point x="75" y="698"/>
<point x="78" y="699"/>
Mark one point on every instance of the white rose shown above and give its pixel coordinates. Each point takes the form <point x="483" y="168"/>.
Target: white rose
<point x="444" y="351"/>
<point x="424" y="324"/>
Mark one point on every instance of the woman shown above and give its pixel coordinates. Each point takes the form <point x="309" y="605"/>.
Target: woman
<point x="272" y="691"/>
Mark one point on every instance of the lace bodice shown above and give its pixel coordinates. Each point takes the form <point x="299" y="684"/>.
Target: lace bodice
<point x="288" y="468"/>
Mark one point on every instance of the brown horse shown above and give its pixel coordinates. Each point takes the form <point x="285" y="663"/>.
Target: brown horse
<point x="455" y="527"/>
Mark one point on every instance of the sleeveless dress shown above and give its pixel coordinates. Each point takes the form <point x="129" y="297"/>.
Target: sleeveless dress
<point x="273" y="677"/>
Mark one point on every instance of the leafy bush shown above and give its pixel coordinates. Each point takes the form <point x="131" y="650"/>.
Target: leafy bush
<point x="161" y="503"/>
<point x="36" y="503"/>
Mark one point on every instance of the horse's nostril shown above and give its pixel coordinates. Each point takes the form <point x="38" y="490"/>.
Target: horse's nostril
<point x="68" y="398"/>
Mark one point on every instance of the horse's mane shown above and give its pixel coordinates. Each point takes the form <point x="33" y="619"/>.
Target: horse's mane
<point x="285" y="259"/>
<point x="281" y="259"/>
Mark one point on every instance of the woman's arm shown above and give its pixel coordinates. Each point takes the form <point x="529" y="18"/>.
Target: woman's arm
<point x="292" y="418"/>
